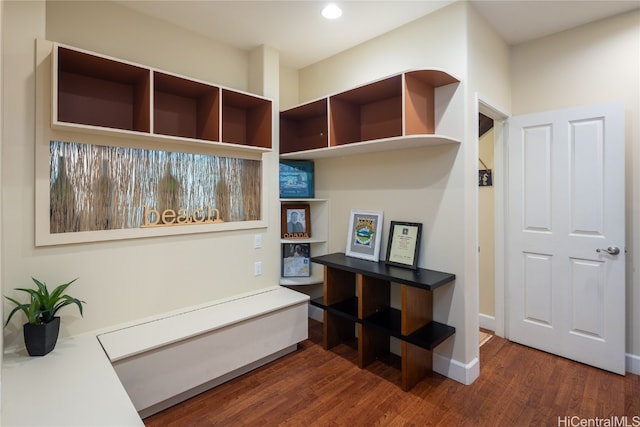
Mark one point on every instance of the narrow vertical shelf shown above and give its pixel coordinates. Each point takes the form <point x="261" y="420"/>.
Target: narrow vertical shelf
<point x="319" y="211"/>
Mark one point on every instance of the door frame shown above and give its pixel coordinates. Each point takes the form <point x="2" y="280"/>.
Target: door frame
<point x="490" y="109"/>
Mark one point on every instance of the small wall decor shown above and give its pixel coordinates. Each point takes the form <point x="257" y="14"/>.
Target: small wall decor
<point x="296" y="179"/>
<point x="295" y="221"/>
<point x="404" y="244"/>
<point x="168" y="217"/>
<point x="485" y="176"/>
<point x="365" y="232"/>
<point x="296" y="260"/>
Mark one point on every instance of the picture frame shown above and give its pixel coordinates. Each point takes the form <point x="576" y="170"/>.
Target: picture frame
<point x="364" y="234"/>
<point x="296" y="179"/>
<point x="403" y="246"/>
<point x="296" y="260"/>
<point x="295" y="221"/>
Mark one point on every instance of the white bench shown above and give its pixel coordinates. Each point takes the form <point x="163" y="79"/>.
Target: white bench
<point x="167" y="359"/>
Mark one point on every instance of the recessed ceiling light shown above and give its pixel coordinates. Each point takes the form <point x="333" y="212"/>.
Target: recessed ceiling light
<point x="332" y="11"/>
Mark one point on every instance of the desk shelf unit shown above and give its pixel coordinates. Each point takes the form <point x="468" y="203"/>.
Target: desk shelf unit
<point x="356" y="297"/>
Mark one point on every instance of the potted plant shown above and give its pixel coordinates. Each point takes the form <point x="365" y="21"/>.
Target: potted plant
<point x="42" y="327"/>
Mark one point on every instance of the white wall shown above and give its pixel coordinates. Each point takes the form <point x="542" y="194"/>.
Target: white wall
<point x="121" y="280"/>
<point x="598" y="62"/>
<point x="288" y="87"/>
<point x="1" y="141"/>
<point x="435" y="185"/>
<point x="486" y="229"/>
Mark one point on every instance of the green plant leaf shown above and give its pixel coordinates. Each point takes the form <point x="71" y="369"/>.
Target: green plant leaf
<point x="68" y="300"/>
<point x="55" y="295"/>
<point x="19" y="306"/>
<point x="34" y="313"/>
<point x="43" y="304"/>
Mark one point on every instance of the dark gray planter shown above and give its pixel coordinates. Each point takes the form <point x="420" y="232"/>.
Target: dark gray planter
<point x="41" y="339"/>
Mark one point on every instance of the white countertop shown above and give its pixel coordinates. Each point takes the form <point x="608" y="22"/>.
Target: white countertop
<point x="74" y="385"/>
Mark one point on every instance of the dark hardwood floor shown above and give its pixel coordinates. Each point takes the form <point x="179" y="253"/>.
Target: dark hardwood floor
<point x="518" y="386"/>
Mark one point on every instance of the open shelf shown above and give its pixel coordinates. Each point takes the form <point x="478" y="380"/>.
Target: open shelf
<point x="319" y="212"/>
<point x="379" y="145"/>
<point x="347" y="308"/>
<point x="246" y="120"/>
<point x="367" y="113"/>
<point x="96" y="91"/>
<point x="304" y="127"/>
<point x="428" y="336"/>
<point x="398" y="112"/>
<point x="185" y="108"/>
<point x="97" y="94"/>
<point x="420" y="100"/>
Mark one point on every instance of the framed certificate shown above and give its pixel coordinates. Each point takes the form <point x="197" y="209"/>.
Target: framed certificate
<point x="404" y="244"/>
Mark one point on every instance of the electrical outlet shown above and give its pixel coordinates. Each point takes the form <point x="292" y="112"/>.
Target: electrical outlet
<point x="257" y="268"/>
<point x="257" y="241"/>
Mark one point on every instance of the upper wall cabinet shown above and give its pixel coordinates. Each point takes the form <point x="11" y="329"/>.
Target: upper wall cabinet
<point x="412" y="109"/>
<point x="94" y="93"/>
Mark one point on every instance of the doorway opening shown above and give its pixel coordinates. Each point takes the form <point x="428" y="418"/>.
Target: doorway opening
<point x="486" y="227"/>
<point x="490" y="200"/>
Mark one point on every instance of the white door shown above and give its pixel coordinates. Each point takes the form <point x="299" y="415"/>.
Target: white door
<point x="565" y="234"/>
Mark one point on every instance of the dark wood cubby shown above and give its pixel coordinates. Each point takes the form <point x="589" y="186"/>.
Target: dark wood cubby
<point x="246" y="120"/>
<point x="185" y="108"/>
<point x="304" y="127"/>
<point x="115" y="96"/>
<point x="96" y="91"/>
<point x="357" y="298"/>
<point x="366" y="113"/>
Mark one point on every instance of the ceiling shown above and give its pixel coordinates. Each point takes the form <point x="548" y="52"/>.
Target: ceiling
<point x="300" y="34"/>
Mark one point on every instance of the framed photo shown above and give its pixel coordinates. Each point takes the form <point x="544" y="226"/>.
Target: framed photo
<point x="404" y="244"/>
<point x="295" y="221"/>
<point x="365" y="231"/>
<point x="296" y="260"/>
<point x="296" y="179"/>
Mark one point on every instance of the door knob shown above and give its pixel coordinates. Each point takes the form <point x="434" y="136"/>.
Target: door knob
<point x="611" y="250"/>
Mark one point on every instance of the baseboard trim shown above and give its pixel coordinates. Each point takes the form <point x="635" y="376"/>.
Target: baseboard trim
<point x="458" y="371"/>
<point x="632" y="363"/>
<point x="487" y="322"/>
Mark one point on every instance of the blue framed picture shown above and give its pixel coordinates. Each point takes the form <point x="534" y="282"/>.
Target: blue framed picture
<point x="296" y="179"/>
